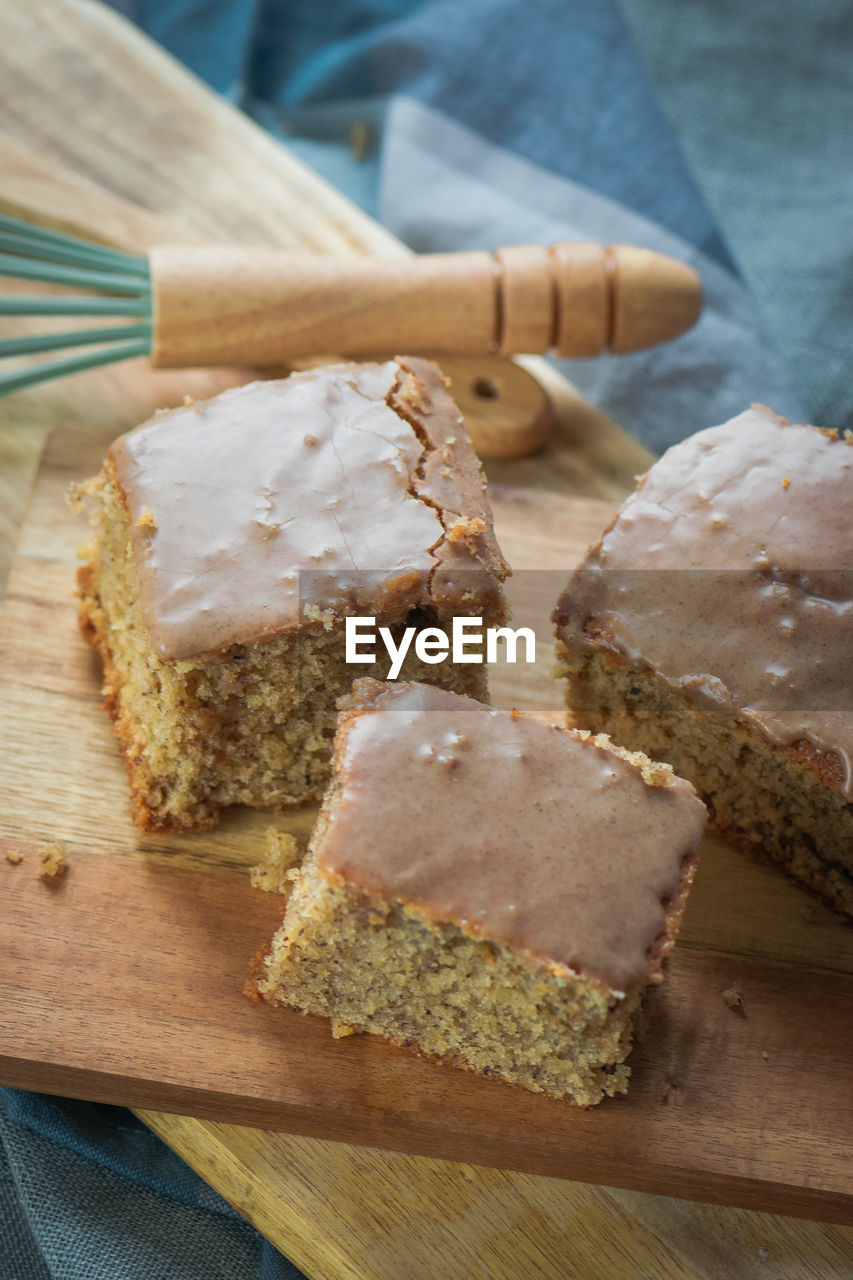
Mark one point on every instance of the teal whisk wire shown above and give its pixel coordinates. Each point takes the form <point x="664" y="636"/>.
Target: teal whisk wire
<point x="74" y="277"/>
<point x="118" y="284"/>
<point x="38" y="342"/>
<point x="57" y="242"/>
<point x="54" y="246"/>
<point x="45" y="305"/>
<point x="71" y="364"/>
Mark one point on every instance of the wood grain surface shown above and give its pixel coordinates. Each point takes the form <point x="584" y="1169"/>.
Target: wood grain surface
<point x="125" y="978"/>
<point x="154" y="157"/>
<point x="398" y="1217"/>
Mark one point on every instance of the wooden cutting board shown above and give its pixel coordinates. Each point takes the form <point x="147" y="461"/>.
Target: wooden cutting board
<point x="123" y="982"/>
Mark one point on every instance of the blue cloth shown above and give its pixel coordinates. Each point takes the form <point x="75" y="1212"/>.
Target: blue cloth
<point x="498" y="122"/>
<point x="761" y="95"/>
<point x="88" y="1193"/>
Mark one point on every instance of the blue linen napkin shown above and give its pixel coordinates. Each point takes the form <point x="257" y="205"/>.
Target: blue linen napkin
<point x="761" y="95"/>
<point x="476" y="123"/>
<point x="88" y="1193"/>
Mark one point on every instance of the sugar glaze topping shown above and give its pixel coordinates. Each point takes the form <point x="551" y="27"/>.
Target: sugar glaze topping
<point x="339" y="486"/>
<point x="517" y="831"/>
<point x="730" y="572"/>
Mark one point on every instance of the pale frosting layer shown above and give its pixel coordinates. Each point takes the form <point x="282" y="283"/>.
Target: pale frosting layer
<point x="350" y="487"/>
<point x="729" y="571"/>
<point x="527" y="834"/>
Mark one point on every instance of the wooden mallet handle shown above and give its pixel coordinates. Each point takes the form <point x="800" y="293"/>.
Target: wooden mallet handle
<point x="245" y="306"/>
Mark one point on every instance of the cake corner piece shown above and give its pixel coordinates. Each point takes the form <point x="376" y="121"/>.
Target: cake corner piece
<point x="465" y="914"/>
<point x="709" y="626"/>
<point x="234" y="536"/>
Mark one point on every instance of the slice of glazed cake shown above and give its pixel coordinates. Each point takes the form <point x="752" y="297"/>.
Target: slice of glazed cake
<point x="712" y="627"/>
<point x="233" y="539"/>
<point x="492" y="890"/>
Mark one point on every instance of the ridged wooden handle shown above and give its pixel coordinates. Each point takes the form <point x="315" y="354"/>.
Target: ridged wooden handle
<point x="246" y="306"/>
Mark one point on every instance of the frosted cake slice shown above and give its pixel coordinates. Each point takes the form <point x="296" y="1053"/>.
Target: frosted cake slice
<point x="233" y="539"/>
<point x="494" y="891"/>
<point x="711" y="626"/>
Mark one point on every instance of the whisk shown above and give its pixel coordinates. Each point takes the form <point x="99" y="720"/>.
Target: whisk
<point x="191" y="306"/>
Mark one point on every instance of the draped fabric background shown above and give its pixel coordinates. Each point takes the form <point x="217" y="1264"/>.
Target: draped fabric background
<point x="709" y="129"/>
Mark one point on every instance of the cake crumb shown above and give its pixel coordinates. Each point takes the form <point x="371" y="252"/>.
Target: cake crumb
<point x="340" y="1030"/>
<point x="786" y="482"/>
<point x="326" y="617"/>
<point x="413" y="392"/>
<point x="77" y="493"/>
<point x="765" y="1055"/>
<point x="189" y="401"/>
<point x="276" y="871"/>
<point x="14" y="856"/>
<point x="733" y="998"/>
<point x="147" y="520"/>
<point x="656" y="774"/>
<point x="53" y="861"/>
<point x="465" y="528"/>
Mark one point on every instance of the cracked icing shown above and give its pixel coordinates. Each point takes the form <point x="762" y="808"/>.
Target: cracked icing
<point x="317" y="489"/>
<point x="759" y="629"/>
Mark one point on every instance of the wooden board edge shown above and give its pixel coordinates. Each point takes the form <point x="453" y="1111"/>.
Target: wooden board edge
<point x="734" y="1191"/>
<point x="729" y="1192"/>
